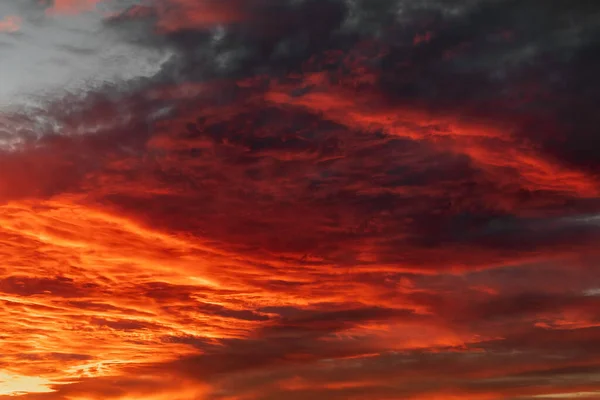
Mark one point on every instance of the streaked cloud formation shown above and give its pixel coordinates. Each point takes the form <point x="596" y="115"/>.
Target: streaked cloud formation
<point x="314" y="199"/>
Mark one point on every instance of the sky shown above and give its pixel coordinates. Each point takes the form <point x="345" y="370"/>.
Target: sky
<point x="299" y="199"/>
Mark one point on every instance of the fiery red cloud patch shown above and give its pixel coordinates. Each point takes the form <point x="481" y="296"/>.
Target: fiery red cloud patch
<point x="309" y="200"/>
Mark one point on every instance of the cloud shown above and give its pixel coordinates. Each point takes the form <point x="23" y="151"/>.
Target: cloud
<point x="300" y="199"/>
<point x="53" y="54"/>
<point x="72" y="6"/>
<point x="10" y="24"/>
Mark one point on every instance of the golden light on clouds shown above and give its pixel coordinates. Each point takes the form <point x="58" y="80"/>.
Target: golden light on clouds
<point x="15" y="385"/>
<point x="305" y="200"/>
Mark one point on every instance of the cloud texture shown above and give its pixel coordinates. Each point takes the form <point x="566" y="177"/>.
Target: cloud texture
<point x="299" y="199"/>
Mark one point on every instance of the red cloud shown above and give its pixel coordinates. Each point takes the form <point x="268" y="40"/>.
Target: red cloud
<point x="70" y="7"/>
<point x="175" y="15"/>
<point x="298" y="229"/>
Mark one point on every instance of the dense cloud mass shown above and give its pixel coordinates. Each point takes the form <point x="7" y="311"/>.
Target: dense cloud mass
<point x="299" y="199"/>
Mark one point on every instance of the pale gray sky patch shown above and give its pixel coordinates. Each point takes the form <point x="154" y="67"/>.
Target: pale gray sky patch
<point x="54" y="54"/>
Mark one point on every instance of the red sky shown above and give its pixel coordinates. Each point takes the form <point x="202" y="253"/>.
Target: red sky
<point x="302" y="200"/>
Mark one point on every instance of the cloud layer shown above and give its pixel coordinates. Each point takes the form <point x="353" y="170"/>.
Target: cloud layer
<point x="300" y="199"/>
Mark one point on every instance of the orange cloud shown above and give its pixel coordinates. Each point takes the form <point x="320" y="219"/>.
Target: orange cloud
<point x="10" y="24"/>
<point x="336" y="219"/>
<point x="492" y="147"/>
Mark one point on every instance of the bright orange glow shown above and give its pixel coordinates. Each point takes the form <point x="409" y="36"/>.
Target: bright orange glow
<point x="88" y="255"/>
<point x="13" y="385"/>
<point x="316" y="199"/>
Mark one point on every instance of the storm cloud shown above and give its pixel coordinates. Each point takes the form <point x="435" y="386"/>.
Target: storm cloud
<point x="332" y="199"/>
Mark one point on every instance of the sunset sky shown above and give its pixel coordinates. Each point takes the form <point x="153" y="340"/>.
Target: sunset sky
<point x="299" y="199"/>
